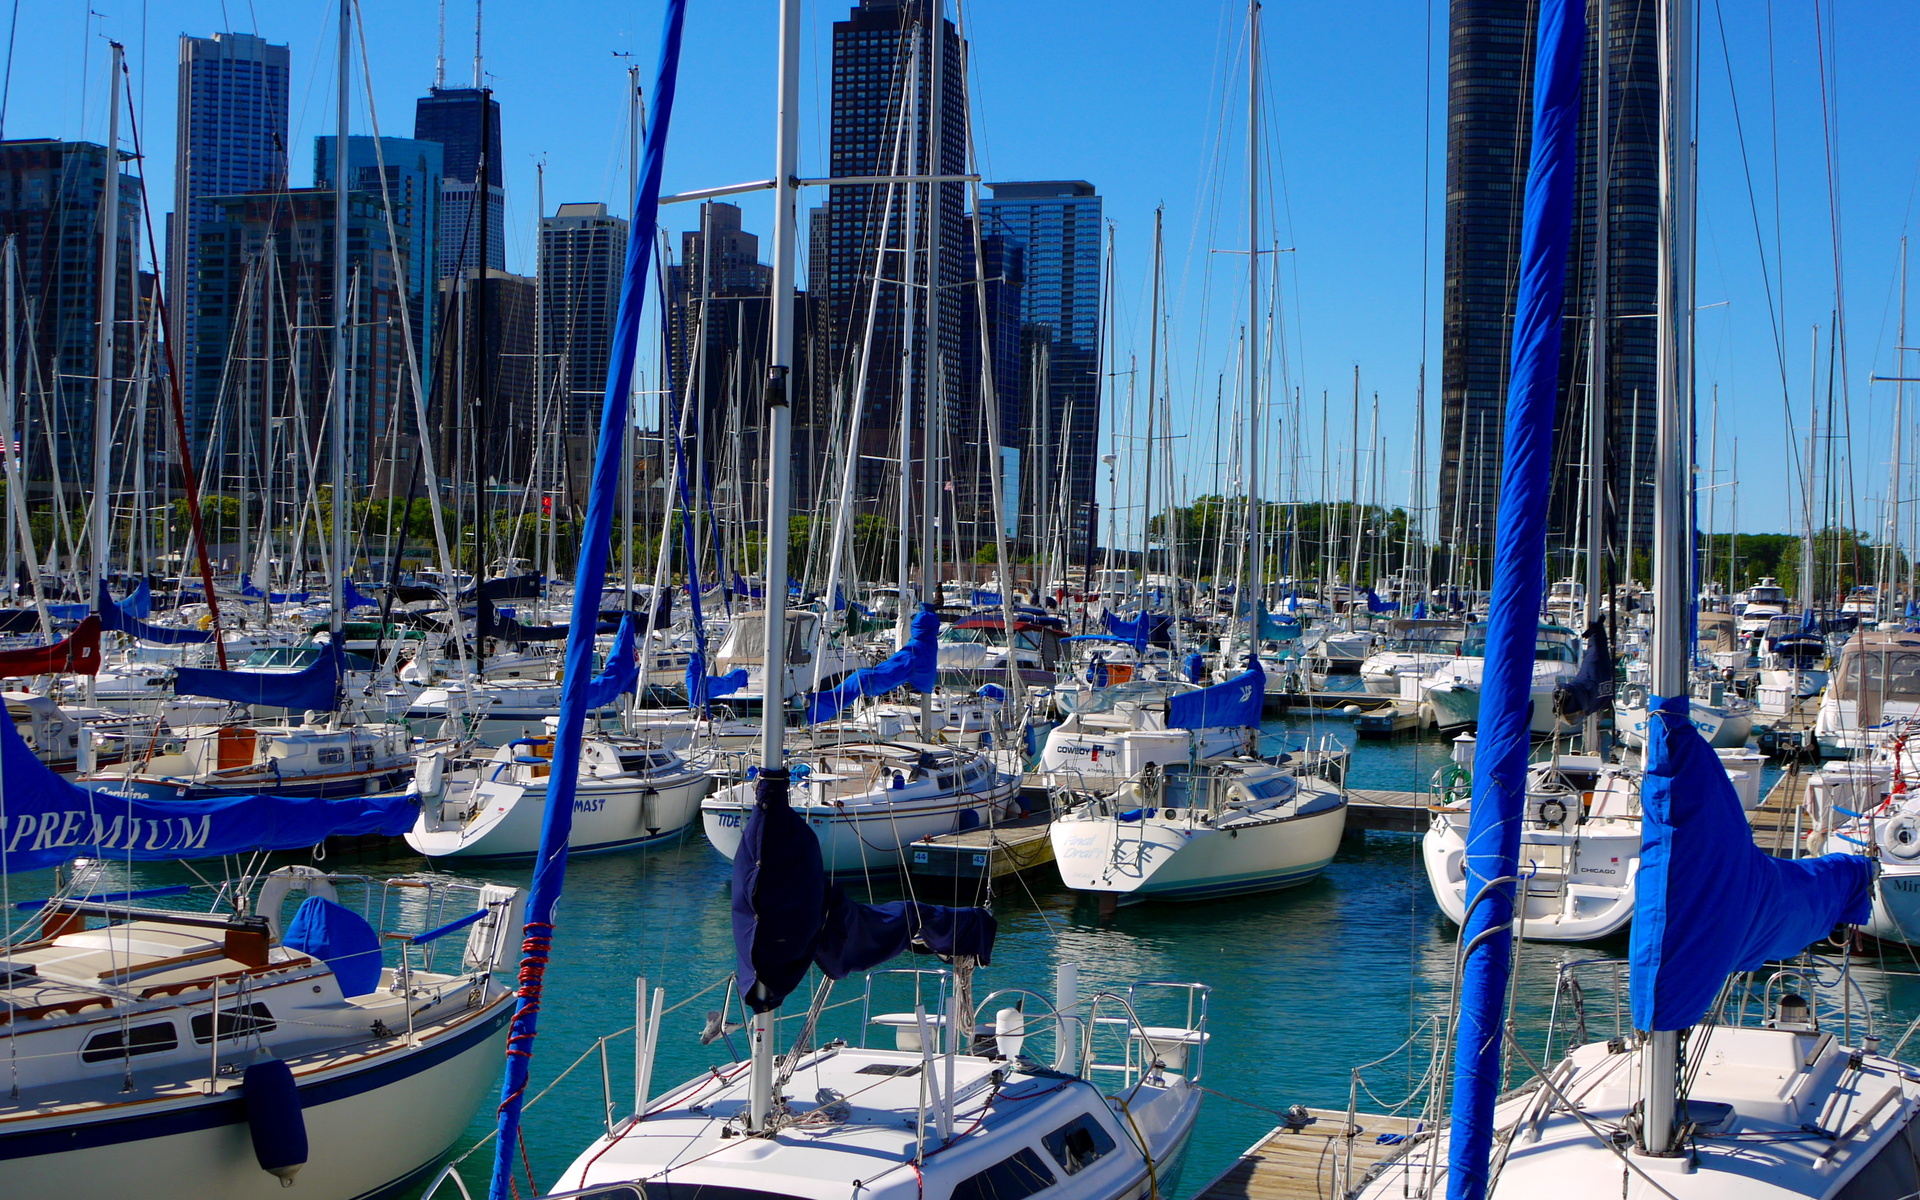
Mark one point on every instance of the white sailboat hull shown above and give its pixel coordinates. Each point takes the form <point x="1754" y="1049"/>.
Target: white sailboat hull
<point x="1582" y="885"/>
<point x="863" y="834"/>
<point x="1162" y="858"/>
<point x="611" y="815"/>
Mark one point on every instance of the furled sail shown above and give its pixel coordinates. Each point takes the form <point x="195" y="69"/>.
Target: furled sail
<point x="914" y="665"/>
<point x="118" y="619"/>
<point x="316" y="687"/>
<point x="76" y="654"/>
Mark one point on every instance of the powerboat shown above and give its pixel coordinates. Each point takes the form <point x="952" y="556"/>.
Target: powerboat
<point x="1875" y="688"/>
<point x="1452" y="691"/>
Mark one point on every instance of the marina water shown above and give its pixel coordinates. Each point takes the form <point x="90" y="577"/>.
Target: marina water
<point x="1307" y="983"/>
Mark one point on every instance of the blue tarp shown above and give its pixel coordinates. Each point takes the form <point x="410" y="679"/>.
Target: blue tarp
<point x="1273" y="629"/>
<point x="140" y="604"/>
<point x="1519" y="579"/>
<point x="68" y="612"/>
<point x="1195" y="666"/>
<point x="703" y="689"/>
<point x="787" y="919"/>
<point x="914" y="665"/>
<point x="339" y="937"/>
<point x="981" y="598"/>
<point x="117" y="619"/>
<point x="49" y="820"/>
<point x="354" y="599"/>
<point x="1222" y="706"/>
<point x="316" y="687"/>
<point x="1710" y="902"/>
<point x="622" y="672"/>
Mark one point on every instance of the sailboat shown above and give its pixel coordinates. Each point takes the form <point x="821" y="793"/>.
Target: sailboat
<point x="947" y="1107"/>
<point x="1755" y="1096"/>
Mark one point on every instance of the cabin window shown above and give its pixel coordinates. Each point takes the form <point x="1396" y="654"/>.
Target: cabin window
<point x="141" y="1039"/>
<point x="678" y="1191"/>
<point x="1014" y="1178"/>
<point x="333" y="756"/>
<point x="363" y="754"/>
<point x="234" y="1022"/>
<point x="1078" y="1143"/>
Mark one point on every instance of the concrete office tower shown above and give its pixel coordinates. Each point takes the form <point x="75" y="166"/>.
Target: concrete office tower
<point x="876" y="78"/>
<point x="266" y="302"/>
<point x="1058" y="227"/>
<point x="50" y="193"/>
<point x="583" y="254"/>
<point x="412" y="189"/>
<point x="1489" y="99"/>
<point x="466" y="123"/>
<point x="230" y="137"/>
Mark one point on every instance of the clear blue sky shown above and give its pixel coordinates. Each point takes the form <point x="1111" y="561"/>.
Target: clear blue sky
<point x="1145" y="100"/>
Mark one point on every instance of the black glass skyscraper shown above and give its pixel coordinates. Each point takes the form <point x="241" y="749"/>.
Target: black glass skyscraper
<point x="882" y="98"/>
<point x="1489" y="101"/>
<point x="466" y="123"/>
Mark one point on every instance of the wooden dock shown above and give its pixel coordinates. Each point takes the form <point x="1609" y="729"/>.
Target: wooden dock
<point x="1323" y="1159"/>
<point x="1394" y="812"/>
<point x="1774" y="823"/>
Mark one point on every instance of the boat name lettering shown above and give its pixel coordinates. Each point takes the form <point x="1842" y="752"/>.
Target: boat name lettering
<point x="593" y="805"/>
<point x="58" y="830"/>
<point x="728" y="820"/>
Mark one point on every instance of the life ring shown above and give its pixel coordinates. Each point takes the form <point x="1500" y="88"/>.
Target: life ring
<point x="273" y="892"/>
<point x="1633" y="695"/>
<point x="1900" y="837"/>
<point x="1552" y="814"/>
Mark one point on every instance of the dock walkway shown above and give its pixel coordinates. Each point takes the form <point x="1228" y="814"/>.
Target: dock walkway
<point x="1322" y="1160"/>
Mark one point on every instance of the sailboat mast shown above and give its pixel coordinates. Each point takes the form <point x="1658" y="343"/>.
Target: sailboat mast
<point x="1256" y="583"/>
<point x="103" y="336"/>
<point x="1598" y="341"/>
<point x="932" y="392"/>
<point x="779" y="437"/>
<point x="1672" y="557"/>
<point x="337" y="425"/>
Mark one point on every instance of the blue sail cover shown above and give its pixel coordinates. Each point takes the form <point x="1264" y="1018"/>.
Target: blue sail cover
<point x="140" y="604"/>
<point x="46" y="820"/>
<point x="622" y="672"/>
<point x="353" y="598"/>
<point x="590" y="575"/>
<point x="703" y="689"/>
<point x="915" y="665"/>
<point x="1519" y="575"/>
<point x="1376" y="605"/>
<point x="1273" y="629"/>
<point x="316" y="687"/>
<point x="1146" y="629"/>
<point x="1224" y="705"/>
<point x="1710" y="902"/>
<point x="787" y="919"/>
<point x="117" y="619"/>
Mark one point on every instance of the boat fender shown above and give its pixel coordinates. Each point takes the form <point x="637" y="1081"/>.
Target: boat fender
<point x="429" y="774"/>
<point x="273" y="893"/>
<point x="1009" y="1032"/>
<point x="1900" y="837"/>
<point x="274" y="1119"/>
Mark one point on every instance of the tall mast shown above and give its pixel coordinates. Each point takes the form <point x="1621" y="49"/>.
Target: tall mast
<point x="779" y="437"/>
<point x="342" y="397"/>
<point x="1598" y="341"/>
<point x="103" y="335"/>
<point x="633" y="398"/>
<point x="1256" y="584"/>
<point x="1672" y="535"/>
<point x="931" y="393"/>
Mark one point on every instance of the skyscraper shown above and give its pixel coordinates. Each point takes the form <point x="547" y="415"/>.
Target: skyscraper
<point x="230" y="138"/>
<point x="412" y="187"/>
<point x="721" y="305"/>
<point x="466" y="123"/>
<point x="583" y="254"/>
<point x="50" y="193"/>
<point x="883" y="97"/>
<point x="1489" y="85"/>
<point x="1058" y="227"/>
<point x="265" y="267"/>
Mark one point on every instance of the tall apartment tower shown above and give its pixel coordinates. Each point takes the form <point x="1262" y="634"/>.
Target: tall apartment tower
<point x="1489" y="99"/>
<point x="719" y="327"/>
<point x="230" y="137"/>
<point x="50" y="193"/>
<point x="411" y="186"/>
<point x="883" y="95"/>
<point x="1058" y="227"/>
<point x="583" y="254"/>
<point x="466" y="123"/>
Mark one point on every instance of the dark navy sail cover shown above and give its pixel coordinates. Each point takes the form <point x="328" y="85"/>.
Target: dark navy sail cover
<point x="117" y="619"/>
<point x="1710" y="902"/>
<point x="1591" y="688"/>
<point x="316" y="687"/>
<point x="47" y="820"/>
<point x="787" y="919"/>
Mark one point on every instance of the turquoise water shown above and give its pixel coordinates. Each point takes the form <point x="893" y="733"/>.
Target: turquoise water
<point x="1308" y="983"/>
